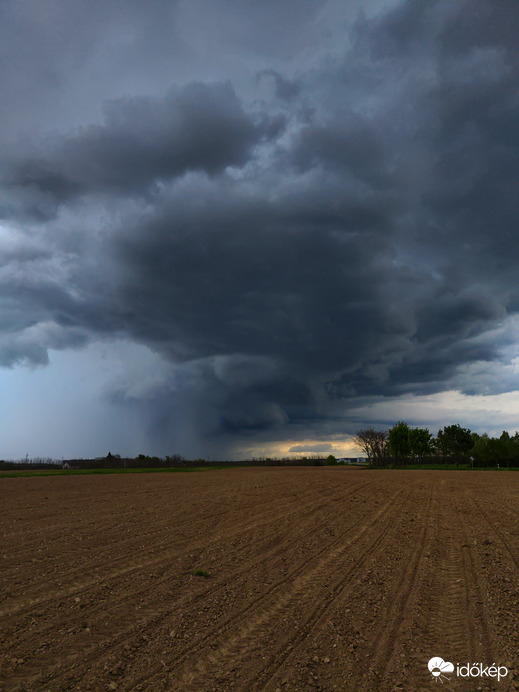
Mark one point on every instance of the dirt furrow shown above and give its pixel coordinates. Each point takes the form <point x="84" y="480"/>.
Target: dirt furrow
<point x="141" y="617"/>
<point x="386" y="636"/>
<point x="481" y="640"/>
<point x="250" y="639"/>
<point x="147" y="559"/>
<point x="451" y="619"/>
<point x="514" y="556"/>
<point x="322" y="580"/>
<point x="330" y="597"/>
<point x="229" y="623"/>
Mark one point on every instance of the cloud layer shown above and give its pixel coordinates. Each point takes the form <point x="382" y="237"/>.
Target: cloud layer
<point x="340" y="230"/>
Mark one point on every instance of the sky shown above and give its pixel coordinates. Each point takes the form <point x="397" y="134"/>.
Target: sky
<point x="234" y="229"/>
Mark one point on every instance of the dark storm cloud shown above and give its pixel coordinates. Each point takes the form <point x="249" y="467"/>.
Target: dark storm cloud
<point x="143" y="140"/>
<point x="361" y="244"/>
<point x="285" y="89"/>
<point x="347" y="143"/>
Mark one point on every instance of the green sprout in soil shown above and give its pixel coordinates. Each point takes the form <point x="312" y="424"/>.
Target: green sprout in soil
<point x="201" y="573"/>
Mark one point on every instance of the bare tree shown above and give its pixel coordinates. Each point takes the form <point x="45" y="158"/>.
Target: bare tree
<point x="373" y="443"/>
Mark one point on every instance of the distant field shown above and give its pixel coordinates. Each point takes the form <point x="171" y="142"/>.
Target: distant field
<point x="27" y="473"/>
<point x="257" y="579"/>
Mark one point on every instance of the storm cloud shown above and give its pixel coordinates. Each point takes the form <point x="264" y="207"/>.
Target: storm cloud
<point x="333" y="225"/>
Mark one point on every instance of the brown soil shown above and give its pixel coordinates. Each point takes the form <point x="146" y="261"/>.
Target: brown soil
<point x="320" y="579"/>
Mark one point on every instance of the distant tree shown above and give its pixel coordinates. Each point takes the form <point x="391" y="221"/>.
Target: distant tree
<point x="509" y="448"/>
<point x="453" y="441"/>
<point x="494" y="451"/>
<point x="175" y="459"/>
<point x="373" y="444"/>
<point x="480" y="450"/>
<point x="405" y="442"/>
<point x="331" y="460"/>
<point x="514" y="448"/>
<point x="497" y="450"/>
<point x="420" y="442"/>
<point x="398" y="441"/>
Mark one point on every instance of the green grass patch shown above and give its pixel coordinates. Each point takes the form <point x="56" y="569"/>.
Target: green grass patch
<point x="103" y="472"/>
<point x="201" y="573"/>
<point x="444" y="467"/>
<point x="436" y="467"/>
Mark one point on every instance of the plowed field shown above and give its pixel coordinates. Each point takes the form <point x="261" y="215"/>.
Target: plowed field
<point x="320" y="579"/>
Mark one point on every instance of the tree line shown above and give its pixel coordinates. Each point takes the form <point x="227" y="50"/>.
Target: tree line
<point x="403" y="445"/>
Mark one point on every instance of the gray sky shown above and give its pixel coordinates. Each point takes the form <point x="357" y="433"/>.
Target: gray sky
<point x="235" y="228"/>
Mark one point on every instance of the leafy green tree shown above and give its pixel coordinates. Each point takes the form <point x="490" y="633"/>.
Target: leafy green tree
<point x="496" y="451"/>
<point x="420" y="442"/>
<point x="331" y="460"/>
<point x="509" y="448"/>
<point x="405" y="442"/>
<point x="514" y="447"/>
<point x="455" y="442"/>
<point x="398" y="441"/>
<point x="480" y="450"/>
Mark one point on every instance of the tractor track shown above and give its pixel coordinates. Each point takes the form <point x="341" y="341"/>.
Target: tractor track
<point x="322" y="579"/>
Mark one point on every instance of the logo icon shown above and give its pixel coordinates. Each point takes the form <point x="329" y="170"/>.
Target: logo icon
<point x="439" y="667"/>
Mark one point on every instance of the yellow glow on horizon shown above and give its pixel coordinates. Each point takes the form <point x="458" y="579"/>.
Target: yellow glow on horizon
<point x="343" y="446"/>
